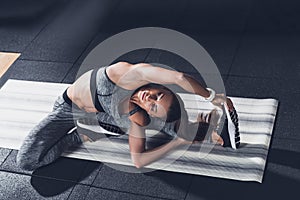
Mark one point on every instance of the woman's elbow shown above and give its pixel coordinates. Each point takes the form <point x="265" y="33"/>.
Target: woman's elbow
<point x="137" y="162"/>
<point x="138" y="165"/>
<point x="180" y="76"/>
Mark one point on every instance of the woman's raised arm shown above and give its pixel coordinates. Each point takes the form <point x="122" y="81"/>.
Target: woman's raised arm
<point x="153" y="74"/>
<point x="140" y="155"/>
<point x="160" y="75"/>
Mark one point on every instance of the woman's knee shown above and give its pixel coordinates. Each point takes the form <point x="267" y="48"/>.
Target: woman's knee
<point x="26" y="162"/>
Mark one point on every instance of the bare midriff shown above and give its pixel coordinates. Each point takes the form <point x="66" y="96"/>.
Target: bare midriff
<point x="80" y="94"/>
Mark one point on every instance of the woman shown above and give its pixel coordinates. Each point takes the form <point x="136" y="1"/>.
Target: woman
<point x="121" y="94"/>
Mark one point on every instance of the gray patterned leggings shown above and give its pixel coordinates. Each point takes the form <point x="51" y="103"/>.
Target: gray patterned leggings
<point x="51" y="137"/>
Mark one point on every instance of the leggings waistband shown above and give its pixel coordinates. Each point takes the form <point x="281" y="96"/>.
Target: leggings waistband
<point x="93" y="89"/>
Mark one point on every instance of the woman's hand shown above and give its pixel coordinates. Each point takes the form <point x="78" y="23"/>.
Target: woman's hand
<point x="219" y="100"/>
<point x="182" y="141"/>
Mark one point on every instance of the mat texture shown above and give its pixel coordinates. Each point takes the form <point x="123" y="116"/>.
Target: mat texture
<point x="24" y="103"/>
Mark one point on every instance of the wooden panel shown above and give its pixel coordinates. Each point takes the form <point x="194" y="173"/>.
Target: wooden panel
<point x="6" y="60"/>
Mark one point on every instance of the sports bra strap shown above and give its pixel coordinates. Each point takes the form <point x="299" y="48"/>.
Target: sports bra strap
<point x="133" y="111"/>
<point x="93" y="88"/>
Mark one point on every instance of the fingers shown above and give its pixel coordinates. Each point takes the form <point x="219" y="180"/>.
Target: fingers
<point x="219" y="99"/>
<point x="200" y="117"/>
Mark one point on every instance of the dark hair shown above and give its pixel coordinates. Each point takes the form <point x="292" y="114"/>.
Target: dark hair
<point x="174" y="111"/>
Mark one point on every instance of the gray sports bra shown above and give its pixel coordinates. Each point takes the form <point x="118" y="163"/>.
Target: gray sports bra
<point x="107" y="96"/>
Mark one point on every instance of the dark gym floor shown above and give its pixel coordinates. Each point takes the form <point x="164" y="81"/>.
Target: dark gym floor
<point x="255" y="44"/>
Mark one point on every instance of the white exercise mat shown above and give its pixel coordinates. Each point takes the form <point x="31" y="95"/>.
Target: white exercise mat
<point x="24" y="103"/>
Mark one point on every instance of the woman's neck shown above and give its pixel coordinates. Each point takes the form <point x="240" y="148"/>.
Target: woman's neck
<point x="126" y="105"/>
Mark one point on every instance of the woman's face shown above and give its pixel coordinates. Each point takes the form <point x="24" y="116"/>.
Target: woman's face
<point x="155" y="102"/>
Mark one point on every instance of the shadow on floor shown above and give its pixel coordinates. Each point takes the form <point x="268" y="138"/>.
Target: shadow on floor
<point x="274" y="187"/>
<point x="68" y="171"/>
<point x="276" y="183"/>
<point x="50" y="187"/>
<point x="285" y="157"/>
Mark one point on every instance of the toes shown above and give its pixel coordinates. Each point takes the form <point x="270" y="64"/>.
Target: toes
<point x="217" y="139"/>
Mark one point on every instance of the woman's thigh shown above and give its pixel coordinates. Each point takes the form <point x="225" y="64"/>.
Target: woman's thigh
<point x="51" y="129"/>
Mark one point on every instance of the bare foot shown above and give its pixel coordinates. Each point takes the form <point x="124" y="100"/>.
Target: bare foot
<point x="85" y="138"/>
<point x="216" y="138"/>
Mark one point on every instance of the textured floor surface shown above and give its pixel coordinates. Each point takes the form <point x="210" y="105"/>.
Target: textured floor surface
<point x="255" y="44"/>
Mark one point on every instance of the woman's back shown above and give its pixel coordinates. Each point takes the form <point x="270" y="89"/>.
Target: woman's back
<point x="123" y="74"/>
